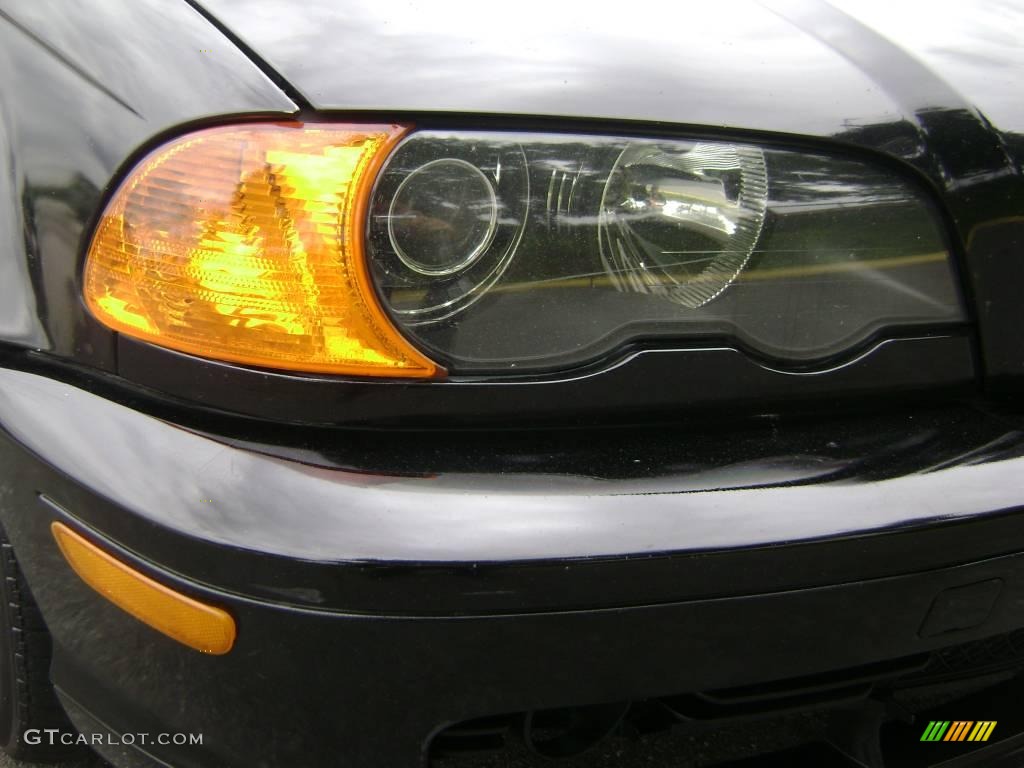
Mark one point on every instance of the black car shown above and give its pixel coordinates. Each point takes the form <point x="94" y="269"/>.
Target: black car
<point x="386" y="382"/>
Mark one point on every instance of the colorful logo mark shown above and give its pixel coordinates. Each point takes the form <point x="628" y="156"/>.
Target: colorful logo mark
<point x="958" y="730"/>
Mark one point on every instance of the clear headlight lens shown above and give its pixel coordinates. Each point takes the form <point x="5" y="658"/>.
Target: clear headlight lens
<point x="528" y="251"/>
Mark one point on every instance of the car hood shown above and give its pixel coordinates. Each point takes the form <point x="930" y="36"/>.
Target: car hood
<point x="805" y="68"/>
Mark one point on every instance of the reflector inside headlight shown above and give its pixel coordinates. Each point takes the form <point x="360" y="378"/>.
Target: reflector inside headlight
<point x="527" y="251"/>
<point x="682" y="223"/>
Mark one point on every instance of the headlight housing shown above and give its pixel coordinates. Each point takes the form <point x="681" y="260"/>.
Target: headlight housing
<point x="608" y="241"/>
<point x="366" y="250"/>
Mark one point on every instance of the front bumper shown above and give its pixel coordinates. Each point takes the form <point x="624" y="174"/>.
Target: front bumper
<point x="376" y="608"/>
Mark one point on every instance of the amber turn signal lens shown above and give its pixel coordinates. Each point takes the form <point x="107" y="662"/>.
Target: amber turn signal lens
<point x="245" y="243"/>
<point x="199" y="626"/>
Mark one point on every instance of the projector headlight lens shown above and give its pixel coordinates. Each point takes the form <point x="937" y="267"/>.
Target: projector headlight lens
<point x="442" y="217"/>
<point x="446" y="218"/>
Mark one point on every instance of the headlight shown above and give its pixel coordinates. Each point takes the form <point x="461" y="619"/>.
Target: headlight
<point x="602" y="241"/>
<point x="346" y="249"/>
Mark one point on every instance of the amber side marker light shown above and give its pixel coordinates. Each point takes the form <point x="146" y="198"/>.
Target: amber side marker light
<point x="245" y="243"/>
<point x="199" y="626"/>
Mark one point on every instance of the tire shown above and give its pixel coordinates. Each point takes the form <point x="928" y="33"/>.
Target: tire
<point x="27" y="698"/>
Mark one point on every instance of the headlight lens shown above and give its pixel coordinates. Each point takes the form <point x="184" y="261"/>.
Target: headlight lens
<point x="577" y="245"/>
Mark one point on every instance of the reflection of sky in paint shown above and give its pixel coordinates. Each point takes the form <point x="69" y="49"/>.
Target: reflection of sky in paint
<point x="730" y="63"/>
<point x="978" y="48"/>
<point x="126" y="49"/>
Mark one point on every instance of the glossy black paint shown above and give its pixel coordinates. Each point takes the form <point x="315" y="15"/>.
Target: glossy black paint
<point x="327" y="689"/>
<point x="298" y="510"/>
<point x="477" y="522"/>
<point x="369" y="659"/>
<point x="390" y="579"/>
<point x="801" y="68"/>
